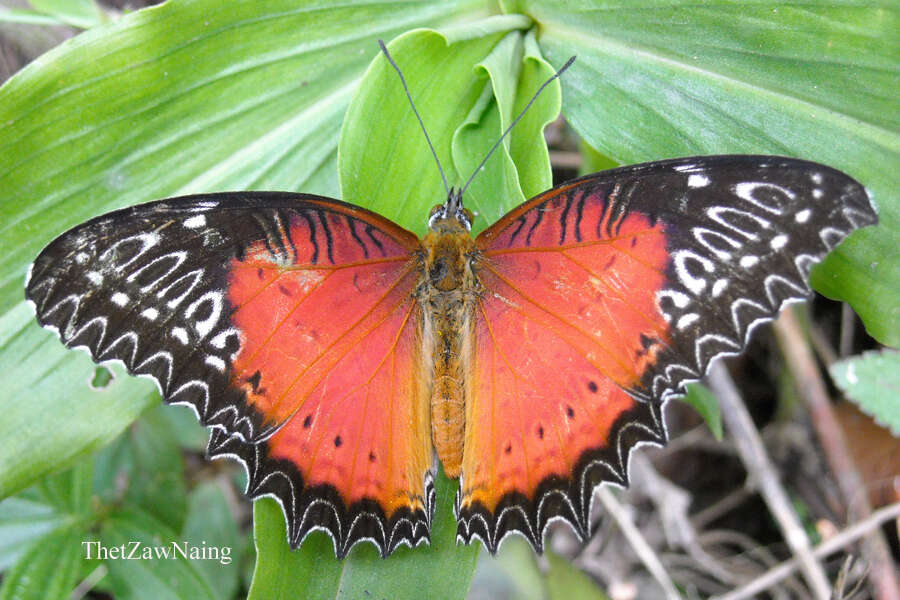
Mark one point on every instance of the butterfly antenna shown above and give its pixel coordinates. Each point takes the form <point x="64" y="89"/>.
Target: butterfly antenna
<point x="411" y="103"/>
<point x="516" y="120"/>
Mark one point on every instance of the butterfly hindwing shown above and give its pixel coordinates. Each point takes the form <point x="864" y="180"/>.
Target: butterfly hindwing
<point x="287" y="321"/>
<point x="604" y="296"/>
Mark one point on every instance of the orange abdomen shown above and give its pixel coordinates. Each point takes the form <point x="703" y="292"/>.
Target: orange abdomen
<point x="448" y="421"/>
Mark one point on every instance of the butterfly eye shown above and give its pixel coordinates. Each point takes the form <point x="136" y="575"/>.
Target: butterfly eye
<point x="465" y="216"/>
<point x="437" y="212"/>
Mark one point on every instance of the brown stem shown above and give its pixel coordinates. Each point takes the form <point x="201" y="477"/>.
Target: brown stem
<point x="763" y="475"/>
<point x="811" y="388"/>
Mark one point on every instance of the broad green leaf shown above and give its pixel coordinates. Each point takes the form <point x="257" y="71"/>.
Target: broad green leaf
<point x="210" y="524"/>
<point x="512" y="573"/>
<point x="69" y="492"/>
<point x="48" y="570"/>
<point x="165" y="573"/>
<point x="179" y="98"/>
<point x="77" y="13"/>
<point x="156" y="481"/>
<point x="186" y="428"/>
<point x="520" y="168"/>
<point x="312" y="571"/>
<point x="567" y="582"/>
<point x="22" y="523"/>
<point x="51" y="415"/>
<point x="384" y="160"/>
<point x="496" y="184"/>
<point x="872" y="381"/>
<point x="818" y="81"/>
<point x="592" y="160"/>
<point x="28" y="17"/>
<point x="702" y="399"/>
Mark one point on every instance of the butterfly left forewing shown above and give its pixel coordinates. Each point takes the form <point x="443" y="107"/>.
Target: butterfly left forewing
<point x="287" y="322"/>
<point x="603" y="297"/>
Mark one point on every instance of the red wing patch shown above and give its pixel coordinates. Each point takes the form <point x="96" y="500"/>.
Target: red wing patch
<point x="287" y="322"/>
<point x="329" y="361"/>
<point x="562" y="338"/>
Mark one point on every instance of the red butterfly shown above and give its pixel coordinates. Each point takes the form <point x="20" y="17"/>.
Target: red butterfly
<point x="335" y="353"/>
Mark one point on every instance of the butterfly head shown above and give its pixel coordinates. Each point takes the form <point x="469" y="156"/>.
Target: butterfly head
<point x="451" y="215"/>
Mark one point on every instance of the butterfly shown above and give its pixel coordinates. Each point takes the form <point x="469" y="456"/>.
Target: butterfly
<point x="339" y="357"/>
<point x="334" y="353"/>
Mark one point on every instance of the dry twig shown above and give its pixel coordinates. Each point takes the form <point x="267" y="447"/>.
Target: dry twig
<point x="812" y="389"/>
<point x="839" y="541"/>
<point x="637" y="541"/>
<point x="763" y="476"/>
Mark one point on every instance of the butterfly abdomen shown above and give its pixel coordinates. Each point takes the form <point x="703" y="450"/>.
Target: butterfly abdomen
<point x="447" y="295"/>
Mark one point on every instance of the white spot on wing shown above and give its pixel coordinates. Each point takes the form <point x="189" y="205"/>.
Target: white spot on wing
<point x="180" y="334"/>
<point x="697" y="181"/>
<point x="94" y="277"/>
<point x="779" y="241"/>
<point x="749" y="261"/>
<point x="687" y="320"/>
<point x="195" y="222"/>
<point x="150" y="314"/>
<point x="803" y="215"/>
<point x="216" y="363"/>
<point x="719" y="287"/>
<point x="119" y="299"/>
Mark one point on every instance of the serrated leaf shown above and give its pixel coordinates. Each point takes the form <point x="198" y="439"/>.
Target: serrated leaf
<point x="872" y="381"/>
<point x="656" y="80"/>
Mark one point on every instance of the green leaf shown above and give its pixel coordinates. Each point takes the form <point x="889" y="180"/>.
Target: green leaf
<point x="69" y="492"/>
<point x="384" y="160"/>
<point x="51" y="415"/>
<point x="183" y="423"/>
<point x="157" y="479"/>
<point x="179" y="98"/>
<point x="566" y="582"/>
<point x="442" y="567"/>
<point x="872" y="381"/>
<point x="310" y="572"/>
<point x="28" y="17"/>
<point x="704" y="401"/>
<point x="818" y="81"/>
<point x="512" y="573"/>
<point x="49" y="568"/>
<point x="77" y="13"/>
<point x="22" y="523"/>
<point x="150" y="576"/>
<point x="210" y="524"/>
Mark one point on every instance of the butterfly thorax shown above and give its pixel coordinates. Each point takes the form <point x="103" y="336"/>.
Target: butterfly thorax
<point x="447" y="292"/>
